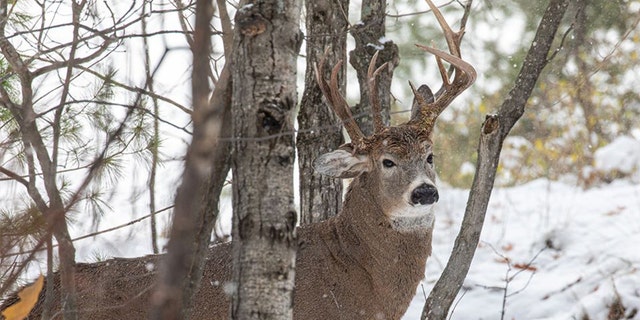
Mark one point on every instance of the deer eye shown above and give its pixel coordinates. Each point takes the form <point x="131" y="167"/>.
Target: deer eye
<point x="430" y="159"/>
<point x="388" y="163"/>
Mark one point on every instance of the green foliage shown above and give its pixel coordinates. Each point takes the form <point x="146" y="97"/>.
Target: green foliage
<point x="8" y="82"/>
<point x="19" y="231"/>
<point x="27" y="221"/>
<point x="106" y="90"/>
<point x="110" y="169"/>
<point x="96" y="203"/>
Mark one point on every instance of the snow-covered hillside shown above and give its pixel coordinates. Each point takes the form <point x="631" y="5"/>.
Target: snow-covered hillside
<point x="549" y="250"/>
<point x="561" y="252"/>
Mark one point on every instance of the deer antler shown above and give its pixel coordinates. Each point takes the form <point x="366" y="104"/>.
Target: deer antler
<point x="464" y="74"/>
<point x="336" y="100"/>
<point x="372" y="81"/>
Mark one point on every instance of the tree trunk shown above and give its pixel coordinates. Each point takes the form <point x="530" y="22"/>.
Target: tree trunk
<point x="370" y="37"/>
<point x="585" y="89"/>
<point x="181" y="269"/>
<point x="267" y="40"/>
<point x="494" y="131"/>
<point x="221" y="164"/>
<point x="320" y="130"/>
<point x="67" y="256"/>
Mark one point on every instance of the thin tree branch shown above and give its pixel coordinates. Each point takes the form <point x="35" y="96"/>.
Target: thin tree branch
<point x="227" y="27"/>
<point x="156" y="137"/>
<point x="494" y="131"/>
<point x="136" y="90"/>
<point x="71" y="61"/>
<point x="92" y="234"/>
<point x="14" y="176"/>
<point x="76" y="9"/>
<point x="183" y="22"/>
<point x="417" y="13"/>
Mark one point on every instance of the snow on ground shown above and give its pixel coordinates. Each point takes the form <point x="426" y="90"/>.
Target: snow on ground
<point x="582" y="247"/>
<point x="621" y="156"/>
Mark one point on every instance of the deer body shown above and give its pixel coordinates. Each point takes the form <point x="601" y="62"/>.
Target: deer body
<point x="356" y="265"/>
<point x="364" y="263"/>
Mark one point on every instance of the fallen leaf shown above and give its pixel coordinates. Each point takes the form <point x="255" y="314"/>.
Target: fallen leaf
<point x="28" y="298"/>
<point x="525" y="267"/>
<point x="507" y="247"/>
<point x="615" y="211"/>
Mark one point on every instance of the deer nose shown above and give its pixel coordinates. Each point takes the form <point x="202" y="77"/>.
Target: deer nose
<point x="424" y="194"/>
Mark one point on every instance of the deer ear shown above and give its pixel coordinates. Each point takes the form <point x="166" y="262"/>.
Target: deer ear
<point x="341" y="163"/>
<point x="423" y="93"/>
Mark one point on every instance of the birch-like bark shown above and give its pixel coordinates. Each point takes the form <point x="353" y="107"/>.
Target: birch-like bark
<point x="267" y="40"/>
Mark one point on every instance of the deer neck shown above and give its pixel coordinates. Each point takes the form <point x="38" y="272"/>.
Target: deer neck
<point x="376" y="247"/>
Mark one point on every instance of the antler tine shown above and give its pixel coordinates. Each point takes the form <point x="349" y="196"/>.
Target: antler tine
<point x="372" y="81"/>
<point x="336" y="100"/>
<point x="464" y="73"/>
<point x="453" y="38"/>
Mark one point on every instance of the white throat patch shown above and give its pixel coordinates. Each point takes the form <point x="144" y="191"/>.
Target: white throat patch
<point x="413" y="218"/>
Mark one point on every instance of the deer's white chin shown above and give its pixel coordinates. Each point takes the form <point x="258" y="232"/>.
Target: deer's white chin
<point x="413" y="218"/>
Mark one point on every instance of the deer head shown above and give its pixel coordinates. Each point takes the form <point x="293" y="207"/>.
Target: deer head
<point x="396" y="163"/>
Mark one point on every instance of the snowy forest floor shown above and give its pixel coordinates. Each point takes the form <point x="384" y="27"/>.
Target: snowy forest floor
<point x="547" y="251"/>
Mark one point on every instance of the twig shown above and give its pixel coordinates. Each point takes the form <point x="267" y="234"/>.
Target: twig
<point x="494" y="130"/>
<point x="453" y="309"/>
<point x="417" y="13"/>
<point x="93" y="234"/>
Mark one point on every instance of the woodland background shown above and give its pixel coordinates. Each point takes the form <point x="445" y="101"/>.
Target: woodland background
<point x="111" y="100"/>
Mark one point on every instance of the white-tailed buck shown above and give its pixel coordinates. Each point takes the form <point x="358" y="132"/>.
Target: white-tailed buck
<point x="364" y="263"/>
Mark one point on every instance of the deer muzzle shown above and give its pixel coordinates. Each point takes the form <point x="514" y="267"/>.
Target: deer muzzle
<point x="424" y="194"/>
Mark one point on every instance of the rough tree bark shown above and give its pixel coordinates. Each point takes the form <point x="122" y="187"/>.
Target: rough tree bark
<point x="494" y="130"/>
<point x="319" y="128"/>
<point x="369" y="35"/>
<point x="267" y="40"/>
<point x="179" y="273"/>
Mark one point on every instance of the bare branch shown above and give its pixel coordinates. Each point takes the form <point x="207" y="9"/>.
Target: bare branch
<point x="14" y="176"/>
<point x="135" y="89"/>
<point x="92" y="234"/>
<point x="72" y="61"/>
<point x="227" y="27"/>
<point x="417" y="13"/>
<point x="183" y="22"/>
<point x="494" y="131"/>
